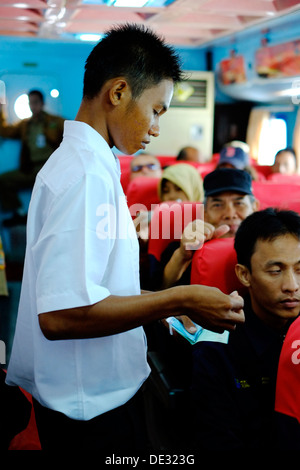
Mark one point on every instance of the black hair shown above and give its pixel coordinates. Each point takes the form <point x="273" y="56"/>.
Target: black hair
<point x="287" y="149"/>
<point x="132" y="51"/>
<point x="182" y="154"/>
<point x="37" y="93"/>
<point x="266" y="224"/>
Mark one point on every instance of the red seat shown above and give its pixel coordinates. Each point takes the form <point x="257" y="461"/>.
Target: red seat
<point x="142" y="191"/>
<point x="285" y="179"/>
<point x="288" y="377"/>
<point x="279" y="195"/>
<point x="166" y="160"/>
<point x="263" y="169"/>
<point x="168" y="222"/>
<point x="125" y="179"/>
<point x="29" y="438"/>
<point x="125" y="170"/>
<point x="214" y="265"/>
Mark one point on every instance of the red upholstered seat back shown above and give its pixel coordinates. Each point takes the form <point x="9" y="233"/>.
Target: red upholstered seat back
<point x="288" y="377"/>
<point x="143" y="190"/>
<point x="168" y="222"/>
<point x="214" y="265"/>
<point x="279" y="195"/>
<point x="284" y="179"/>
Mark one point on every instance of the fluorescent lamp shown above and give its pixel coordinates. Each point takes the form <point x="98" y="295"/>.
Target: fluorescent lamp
<point x="130" y="3"/>
<point x="289" y="92"/>
<point x="89" y="37"/>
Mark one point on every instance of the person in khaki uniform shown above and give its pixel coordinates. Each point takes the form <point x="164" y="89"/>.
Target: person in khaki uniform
<point x="3" y="282"/>
<point x="40" y="135"/>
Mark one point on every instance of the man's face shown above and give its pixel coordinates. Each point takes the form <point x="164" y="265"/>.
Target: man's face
<point x="274" y="280"/>
<point x="228" y="208"/>
<point x="35" y="104"/>
<point x="138" y="120"/>
<point x="145" y="165"/>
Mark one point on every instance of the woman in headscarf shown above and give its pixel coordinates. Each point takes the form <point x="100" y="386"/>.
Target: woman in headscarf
<point x="181" y="182"/>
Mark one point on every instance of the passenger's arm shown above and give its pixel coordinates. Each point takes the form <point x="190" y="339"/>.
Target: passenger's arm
<point x="207" y="306"/>
<point x="10" y="131"/>
<point x="193" y="237"/>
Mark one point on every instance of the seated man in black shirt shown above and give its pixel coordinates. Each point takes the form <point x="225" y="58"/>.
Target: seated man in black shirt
<point x="234" y="375"/>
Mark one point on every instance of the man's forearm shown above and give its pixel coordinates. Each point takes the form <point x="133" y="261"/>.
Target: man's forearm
<point x="206" y="306"/>
<point x="110" y="316"/>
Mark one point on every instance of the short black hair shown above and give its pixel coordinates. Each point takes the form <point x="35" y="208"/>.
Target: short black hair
<point x="37" y="93"/>
<point x="132" y="51"/>
<point x="266" y="224"/>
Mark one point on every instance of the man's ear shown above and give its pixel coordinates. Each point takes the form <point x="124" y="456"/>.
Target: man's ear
<point x="255" y="205"/>
<point x="119" y="90"/>
<point x="243" y="274"/>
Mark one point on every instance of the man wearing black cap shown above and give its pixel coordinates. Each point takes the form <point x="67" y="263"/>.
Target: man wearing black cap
<point x="228" y="198"/>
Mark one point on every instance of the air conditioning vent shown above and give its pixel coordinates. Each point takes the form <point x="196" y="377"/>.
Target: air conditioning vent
<point x="190" y="94"/>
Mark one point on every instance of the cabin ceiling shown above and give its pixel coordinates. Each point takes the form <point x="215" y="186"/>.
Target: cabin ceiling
<point x="185" y="23"/>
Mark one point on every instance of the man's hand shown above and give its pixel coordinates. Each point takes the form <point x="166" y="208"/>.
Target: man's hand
<point x="214" y="310"/>
<point x="196" y="233"/>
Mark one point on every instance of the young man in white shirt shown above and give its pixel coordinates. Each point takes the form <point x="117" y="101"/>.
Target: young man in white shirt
<point x="79" y="348"/>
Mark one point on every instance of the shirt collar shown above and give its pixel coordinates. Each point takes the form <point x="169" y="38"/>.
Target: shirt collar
<point x="91" y="139"/>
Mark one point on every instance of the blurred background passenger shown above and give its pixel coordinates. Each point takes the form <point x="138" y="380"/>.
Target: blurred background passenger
<point x="191" y="154"/>
<point x="285" y="162"/>
<point x="145" y="164"/>
<point x="40" y="135"/>
<point x="235" y="154"/>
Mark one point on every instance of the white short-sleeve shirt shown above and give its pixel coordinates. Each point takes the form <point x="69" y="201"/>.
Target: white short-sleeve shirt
<point x="81" y="248"/>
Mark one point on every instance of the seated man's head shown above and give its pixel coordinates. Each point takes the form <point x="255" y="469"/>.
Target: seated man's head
<point x="145" y="164"/>
<point x="233" y="156"/>
<point x="268" y="253"/>
<point x="285" y="162"/>
<point x="228" y="198"/>
<point x="191" y="154"/>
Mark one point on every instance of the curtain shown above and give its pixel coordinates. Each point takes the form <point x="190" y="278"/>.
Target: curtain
<point x="296" y="139"/>
<point x="257" y="118"/>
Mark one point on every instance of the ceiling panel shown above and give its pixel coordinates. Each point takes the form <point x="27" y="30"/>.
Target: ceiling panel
<point x="181" y="22"/>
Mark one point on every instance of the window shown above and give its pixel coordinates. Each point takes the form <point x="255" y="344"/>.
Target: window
<point x="21" y="107"/>
<point x="273" y="137"/>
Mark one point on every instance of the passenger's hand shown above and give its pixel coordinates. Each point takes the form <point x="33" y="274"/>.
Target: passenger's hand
<point x="196" y="233"/>
<point x="188" y="324"/>
<point x="141" y="223"/>
<point x="214" y="310"/>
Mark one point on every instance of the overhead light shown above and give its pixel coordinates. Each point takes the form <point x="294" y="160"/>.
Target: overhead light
<point x="293" y="92"/>
<point x="88" y="37"/>
<point x="289" y="92"/>
<point x="54" y="93"/>
<point x="130" y="3"/>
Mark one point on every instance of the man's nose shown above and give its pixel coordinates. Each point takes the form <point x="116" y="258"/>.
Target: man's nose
<point x="291" y="281"/>
<point x="229" y="211"/>
<point x="155" y="130"/>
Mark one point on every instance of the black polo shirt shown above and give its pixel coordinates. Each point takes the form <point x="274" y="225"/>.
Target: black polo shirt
<point x="233" y="387"/>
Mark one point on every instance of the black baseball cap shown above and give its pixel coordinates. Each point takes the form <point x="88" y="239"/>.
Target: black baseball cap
<point x="227" y="179"/>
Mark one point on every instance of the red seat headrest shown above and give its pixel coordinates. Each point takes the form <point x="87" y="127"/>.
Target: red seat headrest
<point x="168" y="222"/>
<point x="214" y="265"/>
<point x="143" y="191"/>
